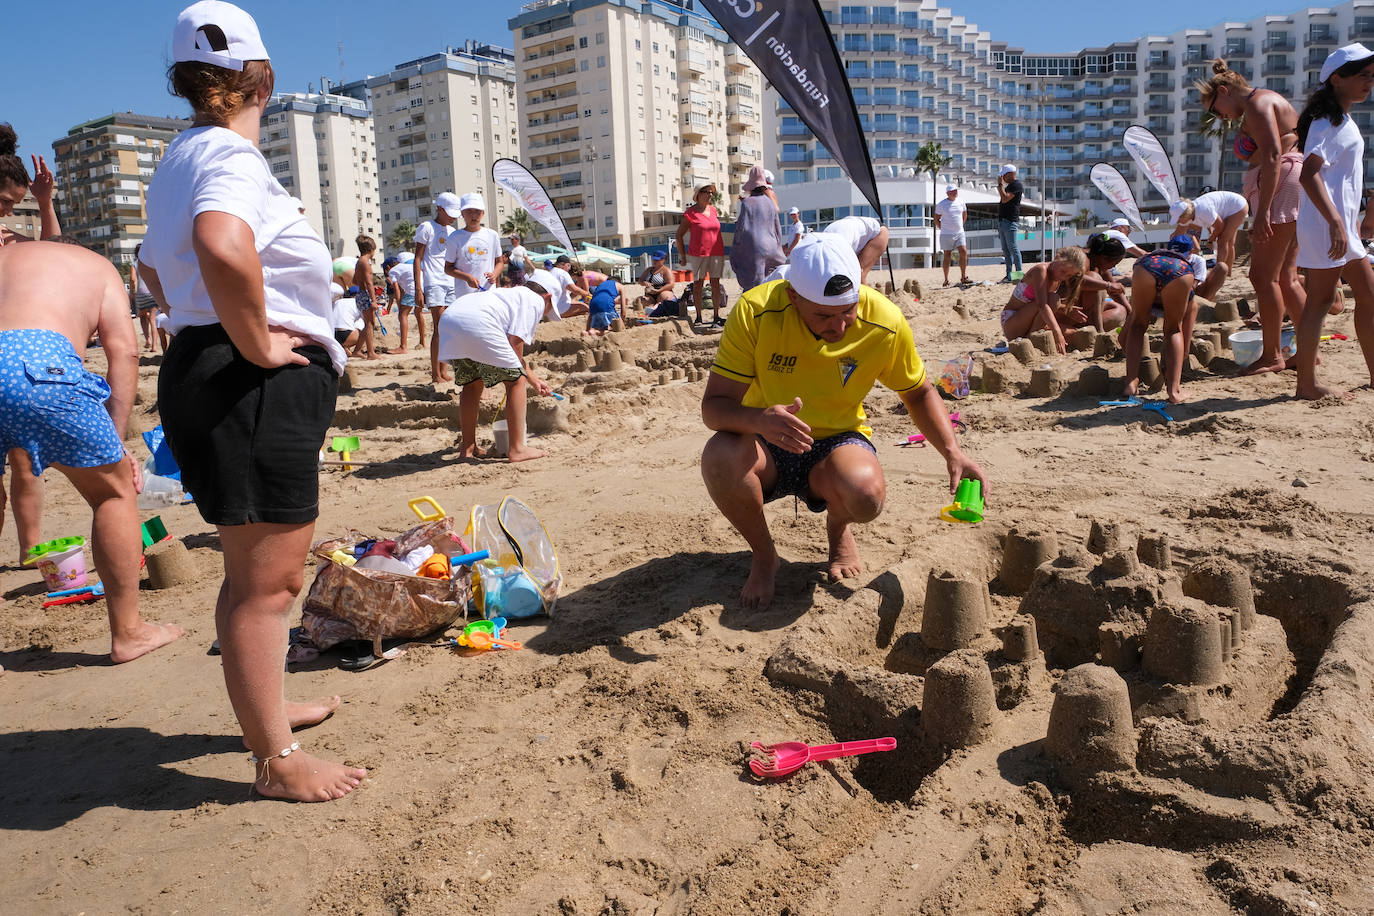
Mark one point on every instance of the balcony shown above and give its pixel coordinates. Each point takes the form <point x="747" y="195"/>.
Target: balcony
<point x="1200" y="56"/>
<point x="736" y="60"/>
<point x="1278" y="68"/>
<point x="1158" y="84"/>
<point x="1196" y="144"/>
<point x="1362" y="30"/>
<point x="1286" y="43"/>
<point x="570" y="72"/>
<point x="693" y="131"/>
<point x="1322" y="37"/>
<point x="558" y="51"/>
<point x="1162" y="62"/>
<point x="555" y="142"/>
<point x="794" y="130"/>
<point x="550" y="120"/>
<point x="1119" y="90"/>
<point x="693" y="63"/>
<point x="1162" y="130"/>
<point x="572" y="181"/>
<point x="1238" y="49"/>
<point x="741" y="115"/>
<point x="548" y="100"/>
<point x="1156" y="107"/>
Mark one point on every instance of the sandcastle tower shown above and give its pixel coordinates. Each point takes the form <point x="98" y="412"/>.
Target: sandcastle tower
<point x="955" y="612"/>
<point x="1222" y="583"/>
<point x="1090" y="722"/>
<point x="1025" y="549"/>
<point x="1183" y="644"/>
<point x="959" y="701"/>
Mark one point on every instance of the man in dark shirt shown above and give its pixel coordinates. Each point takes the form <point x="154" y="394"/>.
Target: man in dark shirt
<point x="1009" y="221"/>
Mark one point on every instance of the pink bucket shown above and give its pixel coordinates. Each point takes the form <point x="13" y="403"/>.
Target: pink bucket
<point x="64" y="570"/>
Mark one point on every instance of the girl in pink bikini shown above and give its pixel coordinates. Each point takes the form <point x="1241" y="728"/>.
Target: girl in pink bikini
<point x="1038" y="294"/>
<point x="1267" y="141"/>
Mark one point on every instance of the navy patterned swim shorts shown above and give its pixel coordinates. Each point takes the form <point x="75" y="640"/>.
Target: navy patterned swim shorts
<point x="794" y="471"/>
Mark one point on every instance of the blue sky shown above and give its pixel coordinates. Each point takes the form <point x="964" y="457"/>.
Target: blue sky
<point x="80" y="60"/>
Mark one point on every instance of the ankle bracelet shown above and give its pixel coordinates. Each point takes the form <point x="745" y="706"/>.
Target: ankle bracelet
<point x="267" y="761"/>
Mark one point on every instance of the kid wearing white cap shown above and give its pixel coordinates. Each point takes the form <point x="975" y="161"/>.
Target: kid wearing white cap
<point x="1220" y="213"/>
<point x="796" y="231"/>
<point x="472" y="252"/>
<point x="785" y="399"/>
<point x="434" y="287"/>
<point x="1329" y="226"/>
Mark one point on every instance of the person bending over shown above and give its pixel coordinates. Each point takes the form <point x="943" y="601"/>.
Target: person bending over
<point x="1037" y="296"/>
<point x="1164" y="278"/>
<point x="785" y="402"/>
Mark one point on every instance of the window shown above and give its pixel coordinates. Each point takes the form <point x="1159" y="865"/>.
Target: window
<point x="582" y="42"/>
<point x="601" y="62"/>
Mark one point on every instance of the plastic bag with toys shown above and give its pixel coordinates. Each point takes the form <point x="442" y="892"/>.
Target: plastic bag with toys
<point x="516" y="539"/>
<point x="346" y="602"/>
<point x="954" y="376"/>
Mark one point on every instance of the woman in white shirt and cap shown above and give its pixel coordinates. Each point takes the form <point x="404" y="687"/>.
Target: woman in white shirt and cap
<point x="247" y="386"/>
<point x="1329" y="226"/>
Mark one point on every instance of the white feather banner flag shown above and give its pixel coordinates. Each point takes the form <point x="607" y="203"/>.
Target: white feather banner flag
<point x="516" y="180"/>
<point x="1149" y="154"/>
<point x="1115" y="188"/>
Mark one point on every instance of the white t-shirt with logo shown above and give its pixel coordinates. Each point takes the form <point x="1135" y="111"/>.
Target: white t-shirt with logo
<point x="472" y="253"/>
<point x="951" y="213"/>
<point x="214" y="170"/>
<point x="435" y="239"/>
<point x="404" y="275"/>
<point x="478" y="331"/>
<point x="796" y="232"/>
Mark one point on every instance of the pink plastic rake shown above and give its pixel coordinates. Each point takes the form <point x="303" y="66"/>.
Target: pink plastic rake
<point x="790" y="756"/>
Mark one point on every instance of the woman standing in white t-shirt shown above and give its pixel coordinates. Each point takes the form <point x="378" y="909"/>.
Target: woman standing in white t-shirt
<point x="1329" y="229"/>
<point x="247" y="386"/>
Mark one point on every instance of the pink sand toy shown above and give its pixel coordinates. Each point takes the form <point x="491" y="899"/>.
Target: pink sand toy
<point x="790" y="756"/>
<point x="64" y="568"/>
<point x="919" y="439"/>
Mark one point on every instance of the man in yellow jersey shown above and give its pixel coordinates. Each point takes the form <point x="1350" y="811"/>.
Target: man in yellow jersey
<point x="785" y="397"/>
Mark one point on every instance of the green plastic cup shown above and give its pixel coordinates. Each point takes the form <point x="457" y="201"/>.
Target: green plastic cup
<point x="968" y="501"/>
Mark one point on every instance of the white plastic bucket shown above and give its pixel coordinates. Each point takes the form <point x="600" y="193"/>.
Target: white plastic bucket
<point x="501" y="431"/>
<point x="1246" y="346"/>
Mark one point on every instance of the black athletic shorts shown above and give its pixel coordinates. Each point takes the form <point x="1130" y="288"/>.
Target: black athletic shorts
<point x="794" y="471"/>
<point x="247" y="439"/>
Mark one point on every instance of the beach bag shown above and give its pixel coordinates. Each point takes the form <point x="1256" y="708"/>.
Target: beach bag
<point x="517" y="540"/>
<point x="348" y="603"/>
<point x="954" y="377"/>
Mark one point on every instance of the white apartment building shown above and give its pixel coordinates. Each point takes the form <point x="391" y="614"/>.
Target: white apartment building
<point x="921" y="73"/>
<point x="439" y="123"/>
<point x="626" y="106"/>
<point x="320" y="147"/>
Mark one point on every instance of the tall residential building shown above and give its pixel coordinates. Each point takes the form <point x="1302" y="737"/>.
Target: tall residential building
<point x="103" y="168"/>
<point x="439" y="123"/>
<point x="921" y="73"/>
<point x="626" y="106"/>
<point x="321" y="148"/>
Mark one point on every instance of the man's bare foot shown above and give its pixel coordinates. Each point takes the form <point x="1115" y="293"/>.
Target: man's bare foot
<point x="470" y="451"/>
<point x="763" y="575"/>
<point x="844" y="557"/>
<point x="1317" y="392"/>
<point x="524" y="453"/>
<point x="299" y="715"/>
<point x="1178" y="396"/>
<point x="1262" y="365"/>
<point x="400" y="350"/>
<point x="372" y="357"/>
<point x="301" y="777"/>
<point x="145" y="639"/>
<point x="1131" y="388"/>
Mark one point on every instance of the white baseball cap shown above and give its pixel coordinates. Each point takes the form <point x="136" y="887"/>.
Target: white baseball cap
<point x="1176" y="211"/>
<point x="1342" y="56"/>
<point x="449" y="202"/>
<point x="768" y="178"/>
<point x="213" y="32"/>
<point x="472" y="201"/>
<point x="824" y="270"/>
<point x="792" y="211"/>
<point x="1121" y="223"/>
<point x="1008" y="168"/>
<point x="950" y="187"/>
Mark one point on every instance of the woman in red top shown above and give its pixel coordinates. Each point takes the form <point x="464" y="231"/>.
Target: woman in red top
<point x="700" y="244"/>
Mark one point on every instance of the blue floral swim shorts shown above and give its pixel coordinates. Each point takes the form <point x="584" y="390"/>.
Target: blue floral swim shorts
<point x="52" y="407"/>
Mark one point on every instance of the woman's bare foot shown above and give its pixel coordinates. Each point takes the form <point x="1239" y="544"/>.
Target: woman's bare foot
<point x="1317" y="392"/>
<point x="145" y="639"/>
<point x="1131" y="388"/>
<point x="524" y="453"/>
<point x="844" y="556"/>
<point x="763" y="575"/>
<point x="471" y="451"/>
<point x="301" y="777"/>
<point x="399" y="350"/>
<point x="299" y="715"/>
<point x="1262" y="365"/>
<point x="1178" y="396"/>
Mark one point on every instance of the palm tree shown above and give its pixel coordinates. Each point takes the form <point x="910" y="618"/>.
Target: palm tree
<point x="521" y="223"/>
<point x="933" y="159"/>
<point x="1084" y="218"/>
<point x="402" y="238"/>
<point x="1216" y="126"/>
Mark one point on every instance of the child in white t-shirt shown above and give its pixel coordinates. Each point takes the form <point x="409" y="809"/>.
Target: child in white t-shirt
<point x="473" y="250"/>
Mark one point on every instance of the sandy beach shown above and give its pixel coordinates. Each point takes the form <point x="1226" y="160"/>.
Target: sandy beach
<point x="602" y="769"/>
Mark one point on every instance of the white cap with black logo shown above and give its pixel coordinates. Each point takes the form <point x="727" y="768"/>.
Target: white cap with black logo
<point x="1342" y="56"/>
<point x="824" y="270"/>
<point x="213" y="32"/>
